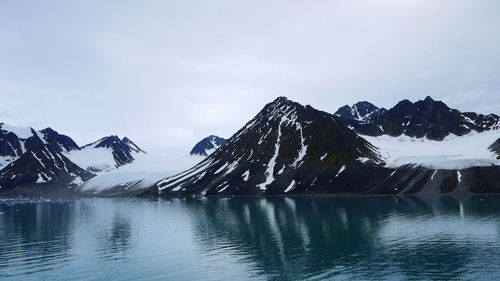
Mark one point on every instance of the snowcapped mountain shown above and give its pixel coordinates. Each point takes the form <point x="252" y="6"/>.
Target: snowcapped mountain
<point x="58" y="142"/>
<point x="291" y="149"/>
<point x="451" y="153"/>
<point x="286" y="147"/>
<point x="427" y="118"/>
<point x="495" y="148"/>
<point x="11" y="147"/>
<point x="105" y="154"/>
<point x="422" y="147"/>
<point x="362" y="111"/>
<point x="207" y="145"/>
<point x="30" y="159"/>
<point x="12" y="141"/>
<point x="34" y="161"/>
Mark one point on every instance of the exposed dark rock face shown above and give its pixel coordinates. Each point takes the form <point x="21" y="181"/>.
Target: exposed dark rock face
<point x="41" y="164"/>
<point x="495" y="147"/>
<point x="207" y="145"/>
<point x="58" y="142"/>
<point x="285" y="147"/>
<point x="362" y="111"/>
<point x="291" y="149"/>
<point x="10" y="145"/>
<point x="132" y="145"/>
<point x="121" y="149"/>
<point x="428" y="118"/>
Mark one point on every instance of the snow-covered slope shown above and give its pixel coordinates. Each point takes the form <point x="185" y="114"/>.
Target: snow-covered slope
<point x="93" y="159"/>
<point x="286" y="147"/>
<point x="143" y="172"/>
<point x="105" y="154"/>
<point x="453" y="152"/>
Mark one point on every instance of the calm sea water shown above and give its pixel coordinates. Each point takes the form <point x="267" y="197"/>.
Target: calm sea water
<point x="277" y="238"/>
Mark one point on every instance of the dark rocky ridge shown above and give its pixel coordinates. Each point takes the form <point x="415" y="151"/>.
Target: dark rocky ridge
<point x="286" y="144"/>
<point x="37" y="165"/>
<point x="209" y="143"/>
<point x="362" y="111"/>
<point x="121" y="148"/>
<point x="495" y="147"/>
<point x="41" y="165"/>
<point x="10" y="145"/>
<point x="58" y="142"/>
<point x="351" y="165"/>
<point x="425" y="118"/>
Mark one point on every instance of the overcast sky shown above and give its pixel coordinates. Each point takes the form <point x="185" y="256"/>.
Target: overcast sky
<point x="168" y="73"/>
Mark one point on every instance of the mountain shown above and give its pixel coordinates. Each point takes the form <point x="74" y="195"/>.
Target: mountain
<point x="362" y="111"/>
<point x="207" y="145"/>
<point x="58" y="142"/>
<point x="41" y="168"/>
<point x="39" y="163"/>
<point x="293" y="149"/>
<point x="11" y="147"/>
<point x="425" y="118"/>
<point x="495" y="148"/>
<point x="286" y="147"/>
<point x="106" y="154"/>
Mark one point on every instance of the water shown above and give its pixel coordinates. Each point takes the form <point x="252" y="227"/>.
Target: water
<point x="277" y="238"/>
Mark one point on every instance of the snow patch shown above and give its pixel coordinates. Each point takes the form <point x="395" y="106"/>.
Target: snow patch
<point x="433" y="174"/>
<point x="290" y="187"/>
<point x="303" y="149"/>
<point x="452" y="153"/>
<point x="21" y="132"/>
<point x="270" y="166"/>
<point x="94" y="159"/>
<point x="221" y="168"/>
<point x="144" y="171"/>
<point x="340" y="171"/>
<point x="246" y="175"/>
<point x="323" y="157"/>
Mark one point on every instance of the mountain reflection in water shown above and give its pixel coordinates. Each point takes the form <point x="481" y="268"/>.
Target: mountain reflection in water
<point x="279" y="238"/>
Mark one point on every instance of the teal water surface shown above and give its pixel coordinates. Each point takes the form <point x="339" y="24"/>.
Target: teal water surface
<point x="250" y="238"/>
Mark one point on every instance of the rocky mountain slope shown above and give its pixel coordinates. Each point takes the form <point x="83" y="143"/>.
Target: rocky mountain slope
<point x="412" y="148"/>
<point x="207" y="145"/>
<point x="291" y="149"/>
<point x="423" y="119"/>
<point x="106" y="154"/>
<point x="495" y="148"/>
<point x="39" y="168"/>
<point x="362" y="111"/>
<point x="46" y="162"/>
<point x="285" y="147"/>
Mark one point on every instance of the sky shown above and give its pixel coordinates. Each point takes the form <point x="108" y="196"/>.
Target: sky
<point x="168" y="73"/>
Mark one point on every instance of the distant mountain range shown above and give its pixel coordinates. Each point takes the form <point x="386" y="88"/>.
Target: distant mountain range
<point x="207" y="145"/>
<point x="285" y="147"/>
<point x="40" y="162"/>
<point x="293" y="149"/>
<point x="414" y="147"/>
<point x="362" y="111"/>
<point x="425" y="118"/>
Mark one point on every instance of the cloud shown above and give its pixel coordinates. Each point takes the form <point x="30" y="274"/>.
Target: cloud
<point x="168" y="73"/>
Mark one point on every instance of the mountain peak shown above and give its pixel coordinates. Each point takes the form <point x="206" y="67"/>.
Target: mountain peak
<point x="361" y="111"/>
<point x="207" y="145"/>
<point x="285" y="146"/>
<point x="281" y="99"/>
<point x="429" y="99"/>
<point x="424" y="118"/>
